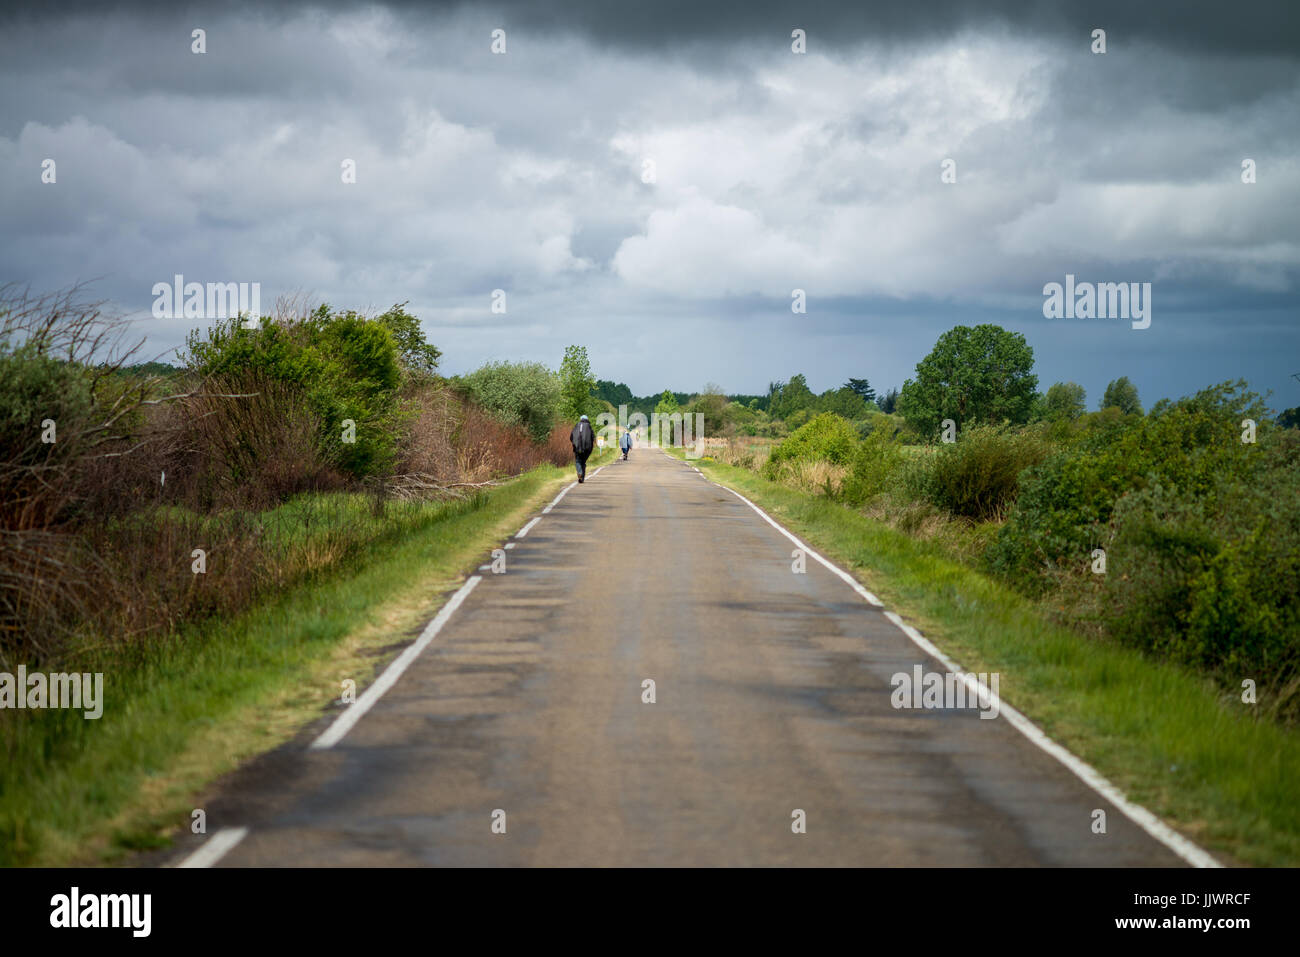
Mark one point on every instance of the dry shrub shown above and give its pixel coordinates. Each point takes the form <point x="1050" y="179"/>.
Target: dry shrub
<point x="742" y="452"/>
<point x="247" y="442"/>
<point x="812" y="475"/>
<point x="486" y="448"/>
<point x="450" y="440"/>
<point x="559" y="448"/>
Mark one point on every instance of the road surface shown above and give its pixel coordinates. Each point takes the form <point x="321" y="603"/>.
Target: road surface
<point x="772" y="696"/>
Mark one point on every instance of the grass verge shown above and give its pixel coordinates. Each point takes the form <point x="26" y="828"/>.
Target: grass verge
<point x="81" y="792"/>
<point x="1166" y="736"/>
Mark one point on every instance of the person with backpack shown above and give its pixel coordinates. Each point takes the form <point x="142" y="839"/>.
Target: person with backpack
<point x="625" y="442"/>
<point x="583" y="440"/>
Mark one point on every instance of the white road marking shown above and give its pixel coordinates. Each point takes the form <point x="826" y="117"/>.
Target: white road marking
<point x="510" y="544"/>
<point x="1089" y="775"/>
<point x="848" y="579"/>
<point x="556" y="501"/>
<point x="216" y="847"/>
<point x="524" y="531"/>
<point x="343" y="724"/>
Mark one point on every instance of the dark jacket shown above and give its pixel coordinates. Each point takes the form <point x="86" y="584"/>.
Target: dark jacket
<point x="583" y="438"/>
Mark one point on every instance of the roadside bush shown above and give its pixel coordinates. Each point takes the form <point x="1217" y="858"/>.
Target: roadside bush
<point x="526" y="394"/>
<point x="345" y="366"/>
<point x="826" y="438"/>
<point x="876" y="462"/>
<point x="1066" y="503"/>
<point x="245" y="441"/>
<point x="559" y="450"/>
<point x="1214" y="580"/>
<point x="978" y="476"/>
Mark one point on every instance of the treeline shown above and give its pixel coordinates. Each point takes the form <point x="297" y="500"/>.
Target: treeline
<point x="974" y="374"/>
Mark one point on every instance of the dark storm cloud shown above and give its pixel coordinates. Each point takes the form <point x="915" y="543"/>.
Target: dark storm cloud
<point x="1249" y="27"/>
<point x="821" y="172"/>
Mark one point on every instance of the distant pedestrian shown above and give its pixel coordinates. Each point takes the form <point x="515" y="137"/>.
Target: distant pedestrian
<point x="625" y="442"/>
<point x="583" y="440"/>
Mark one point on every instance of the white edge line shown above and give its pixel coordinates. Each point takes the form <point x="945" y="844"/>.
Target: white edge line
<point x="524" y="531"/>
<point x="216" y="847"/>
<point x="556" y="501"/>
<point x="343" y="724"/>
<point x="1148" y="822"/>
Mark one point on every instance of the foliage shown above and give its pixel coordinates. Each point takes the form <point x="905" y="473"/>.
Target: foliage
<point x="977" y="476"/>
<point x="615" y="394"/>
<point x="1064" y="400"/>
<point x="862" y="388"/>
<point x="786" y="398"/>
<point x="418" y="355"/>
<point x="667" y="404"/>
<point x="825" y="438"/>
<point x="576" y="383"/>
<point x="518" y="393"/>
<point x="875" y="463"/>
<point x="1214" y="580"/>
<point x="972" y="374"/>
<point x="1123" y="395"/>
<point x="1066" y="503"/>
<point x="845" y="402"/>
<point x="346" y="366"/>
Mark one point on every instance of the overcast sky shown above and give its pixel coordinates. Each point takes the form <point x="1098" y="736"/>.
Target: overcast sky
<point x="774" y="171"/>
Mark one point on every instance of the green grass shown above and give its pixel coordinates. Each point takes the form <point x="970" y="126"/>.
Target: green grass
<point x="1166" y="736"/>
<point x="76" y="791"/>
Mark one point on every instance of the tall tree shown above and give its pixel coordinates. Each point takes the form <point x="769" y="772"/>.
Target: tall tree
<point x="972" y="374"/>
<point x="863" y="388"/>
<point x="418" y="354"/>
<point x="667" y="403"/>
<point x="845" y="402"/>
<point x="790" y="397"/>
<point x="889" y="401"/>
<point x="1123" y="395"/>
<point x="576" y="383"/>
<point x="1064" y="400"/>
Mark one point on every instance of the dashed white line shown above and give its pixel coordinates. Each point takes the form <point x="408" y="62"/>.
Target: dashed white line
<point x="216" y="847"/>
<point x="556" y="501"/>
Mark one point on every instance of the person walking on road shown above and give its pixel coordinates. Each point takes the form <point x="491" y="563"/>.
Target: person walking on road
<point x="625" y="442"/>
<point x="583" y="439"/>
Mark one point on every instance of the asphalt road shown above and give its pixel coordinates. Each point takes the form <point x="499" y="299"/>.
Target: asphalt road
<point x="772" y="695"/>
